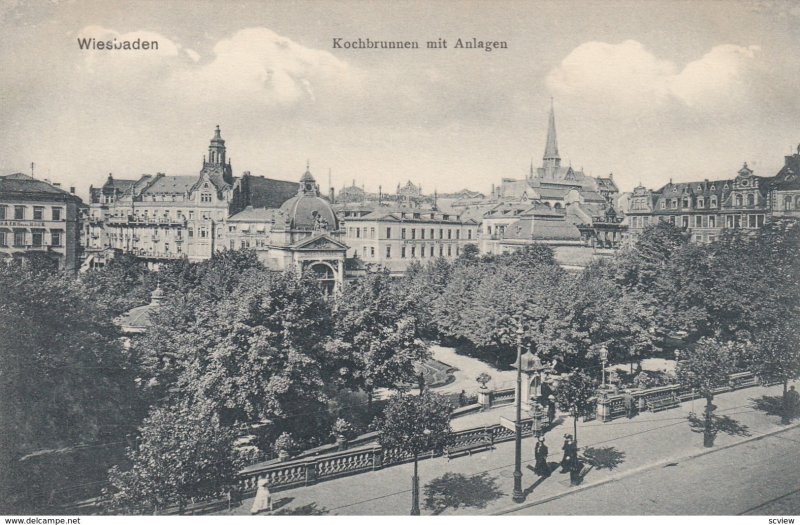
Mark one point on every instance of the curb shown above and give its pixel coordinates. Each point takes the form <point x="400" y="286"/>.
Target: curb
<point x="639" y="470"/>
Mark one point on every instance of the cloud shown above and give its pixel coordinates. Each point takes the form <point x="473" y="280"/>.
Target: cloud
<point x="629" y="78"/>
<point x="259" y="66"/>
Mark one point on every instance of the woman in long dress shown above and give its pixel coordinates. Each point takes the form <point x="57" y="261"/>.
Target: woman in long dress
<point x="541" y="468"/>
<point x="263" y="498"/>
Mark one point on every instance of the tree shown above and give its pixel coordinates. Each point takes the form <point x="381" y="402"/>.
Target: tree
<point x="704" y="367"/>
<point x="65" y="383"/>
<point x="183" y="452"/>
<point x="775" y="354"/>
<point x="122" y="284"/>
<point x="573" y="395"/>
<point x="378" y="336"/>
<point x="414" y="425"/>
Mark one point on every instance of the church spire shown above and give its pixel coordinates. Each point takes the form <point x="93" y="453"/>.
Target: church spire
<point x="551" y="158"/>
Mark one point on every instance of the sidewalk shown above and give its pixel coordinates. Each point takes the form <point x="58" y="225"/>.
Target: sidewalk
<point x="483" y="483"/>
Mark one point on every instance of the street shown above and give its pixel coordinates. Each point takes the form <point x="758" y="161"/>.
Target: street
<point x="758" y="477"/>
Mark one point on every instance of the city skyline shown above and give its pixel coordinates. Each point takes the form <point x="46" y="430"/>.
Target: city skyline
<point x="689" y="94"/>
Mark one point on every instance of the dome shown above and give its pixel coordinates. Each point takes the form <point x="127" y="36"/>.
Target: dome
<point x="310" y="212"/>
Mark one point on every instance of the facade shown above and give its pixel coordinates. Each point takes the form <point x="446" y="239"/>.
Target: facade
<point x="785" y="188"/>
<point x="302" y="235"/>
<point x="705" y="208"/>
<point x="39" y="217"/>
<point x="393" y="237"/>
<point x="165" y="217"/>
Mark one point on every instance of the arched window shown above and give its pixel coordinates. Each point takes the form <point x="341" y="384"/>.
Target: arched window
<point x="325" y="277"/>
<point x="797" y="202"/>
<point x="751" y="199"/>
<point x="713" y="201"/>
<point x="738" y="200"/>
<point x="787" y="202"/>
<point x="557" y="206"/>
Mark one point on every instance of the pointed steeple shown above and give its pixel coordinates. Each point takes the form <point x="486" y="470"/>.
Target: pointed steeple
<point x="551" y="158"/>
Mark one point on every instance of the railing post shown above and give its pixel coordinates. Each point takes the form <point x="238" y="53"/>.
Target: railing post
<point x="377" y="457"/>
<point x="311" y="472"/>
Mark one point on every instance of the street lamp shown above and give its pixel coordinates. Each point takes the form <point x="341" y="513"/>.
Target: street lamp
<point x="603" y="361"/>
<point x="518" y="496"/>
<point x="415" y="484"/>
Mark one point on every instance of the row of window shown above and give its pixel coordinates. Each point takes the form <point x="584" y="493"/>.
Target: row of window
<point x="413" y="253"/>
<point x="704" y="221"/>
<point x="21" y="213"/>
<point x="37" y="237"/>
<point x="415" y="233"/>
<point x="738" y="199"/>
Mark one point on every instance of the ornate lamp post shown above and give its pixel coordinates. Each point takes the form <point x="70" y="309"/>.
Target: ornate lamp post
<point x="415" y="485"/>
<point x="603" y="361"/>
<point x="518" y="496"/>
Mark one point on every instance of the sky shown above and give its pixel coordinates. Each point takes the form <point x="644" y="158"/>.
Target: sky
<point x="648" y="90"/>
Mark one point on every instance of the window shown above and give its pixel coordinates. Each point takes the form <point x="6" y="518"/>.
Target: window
<point x="3" y="211"/>
<point x="422" y="251"/>
<point x="685" y="221"/>
<point x="422" y="233"/>
<point x="712" y="221"/>
<point x="358" y="233"/>
<point x="751" y="199"/>
<point x="203" y="233"/>
<point x="38" y="213"/>
<point x="372" y="252"/>
<point x="701" y="202"/>
<point x="388" y="252"/>
<point x="19" y="213"/>
<point x="388" y="233"/>
<point x="698" y="221"/>
<point x="449" y="233"/>
<point x="759" y="221"/>
<point x="191" y="215"/>
<point x="205" y="197"/>
<point x="751" y="221"/>
<point x="449" y="251"/>
<point x="441" y="251"/>
<point x="441" y="233"/>
<point x="738" y="200"/>
<point x="402" y="233"/>
<point x="469" y="234"/>
<point x="663" y="205"/>
<point x="37" y="237"/>
<point x="713" y="201"/>
<point x="698" y="238"/>
<point x="674" y="203"/>
<point x="431" y="250"/>
<point x="403" y="252"/>
<point x="191" y="232"/>
<point x="413" y="251"/>
<point x="19" y="238"/>
<point x="685" y="202"/>
<point x="458" y="234"/>
<point x="413" y="233"/>
<point x="712" y="238"/>
<point x="372" y="233"/>
<point x="166" y="247"/>
<point x="3" y="240"/>
<point x="432" y="233"/>
<point x="232" y="243"/>
<point x="787" y="205"/>
<point x="364" y="251"/>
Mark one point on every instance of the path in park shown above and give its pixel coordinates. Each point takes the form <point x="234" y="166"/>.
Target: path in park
<point x="482" y="483"/>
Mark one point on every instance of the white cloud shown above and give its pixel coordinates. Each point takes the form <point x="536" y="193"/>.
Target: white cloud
<point x="257" y="65"/>
<point x="629" y="78"/>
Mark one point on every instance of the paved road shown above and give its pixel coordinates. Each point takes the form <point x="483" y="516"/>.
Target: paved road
<point x="760" y="477"/>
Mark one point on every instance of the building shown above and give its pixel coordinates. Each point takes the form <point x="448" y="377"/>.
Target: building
<point x="785" y="188"/>
<point x="704" y="208"/>
<point x="393" y="237"/>
<point x="165" y="217"/>
<point x="39" y="217"/>
<point x="303" y="234"/>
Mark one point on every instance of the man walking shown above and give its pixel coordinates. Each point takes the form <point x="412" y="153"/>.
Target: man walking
<point x="630" y="407"/>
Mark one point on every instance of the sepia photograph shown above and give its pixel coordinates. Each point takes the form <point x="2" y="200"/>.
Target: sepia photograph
<point x="266" y="258"/>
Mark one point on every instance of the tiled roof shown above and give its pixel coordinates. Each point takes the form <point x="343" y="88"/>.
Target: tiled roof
<point x="19" y="183"/>
<point x="542" y="230"/>
<point x="250" y="214"/>
<point x="261" y="192"/>
<point x="172" y="184"/>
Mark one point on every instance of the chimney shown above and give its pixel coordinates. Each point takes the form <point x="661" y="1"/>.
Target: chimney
<point x="331" y="195"/>
<point x="72" y="190"/>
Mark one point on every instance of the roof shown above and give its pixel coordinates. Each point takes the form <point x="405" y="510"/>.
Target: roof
<point x="250" y="214"/>
<point x="261" y="192"/>
<point x="592" y="196"/>
<point x="309" y="212"/>
<point x="529" y="228"/>
<point x="24" y="185"/>
<point x="172" y="184"/>
<point x="541" y="210"/>
<point x="788" y="178"/>
<point x="552" y="193"/>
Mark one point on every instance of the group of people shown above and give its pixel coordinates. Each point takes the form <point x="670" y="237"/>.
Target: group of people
<point x="569" y="461"/>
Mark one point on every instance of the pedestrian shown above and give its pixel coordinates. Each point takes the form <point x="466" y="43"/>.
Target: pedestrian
<point x="541" y="468"/>
<point x="462" y="398"/>
<point x="263" y="498"/>
<point x="566" y="459"/>
<point x="551" y="409"/>
<point x="630" y="408"/>
<point x="792" y="398"/>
